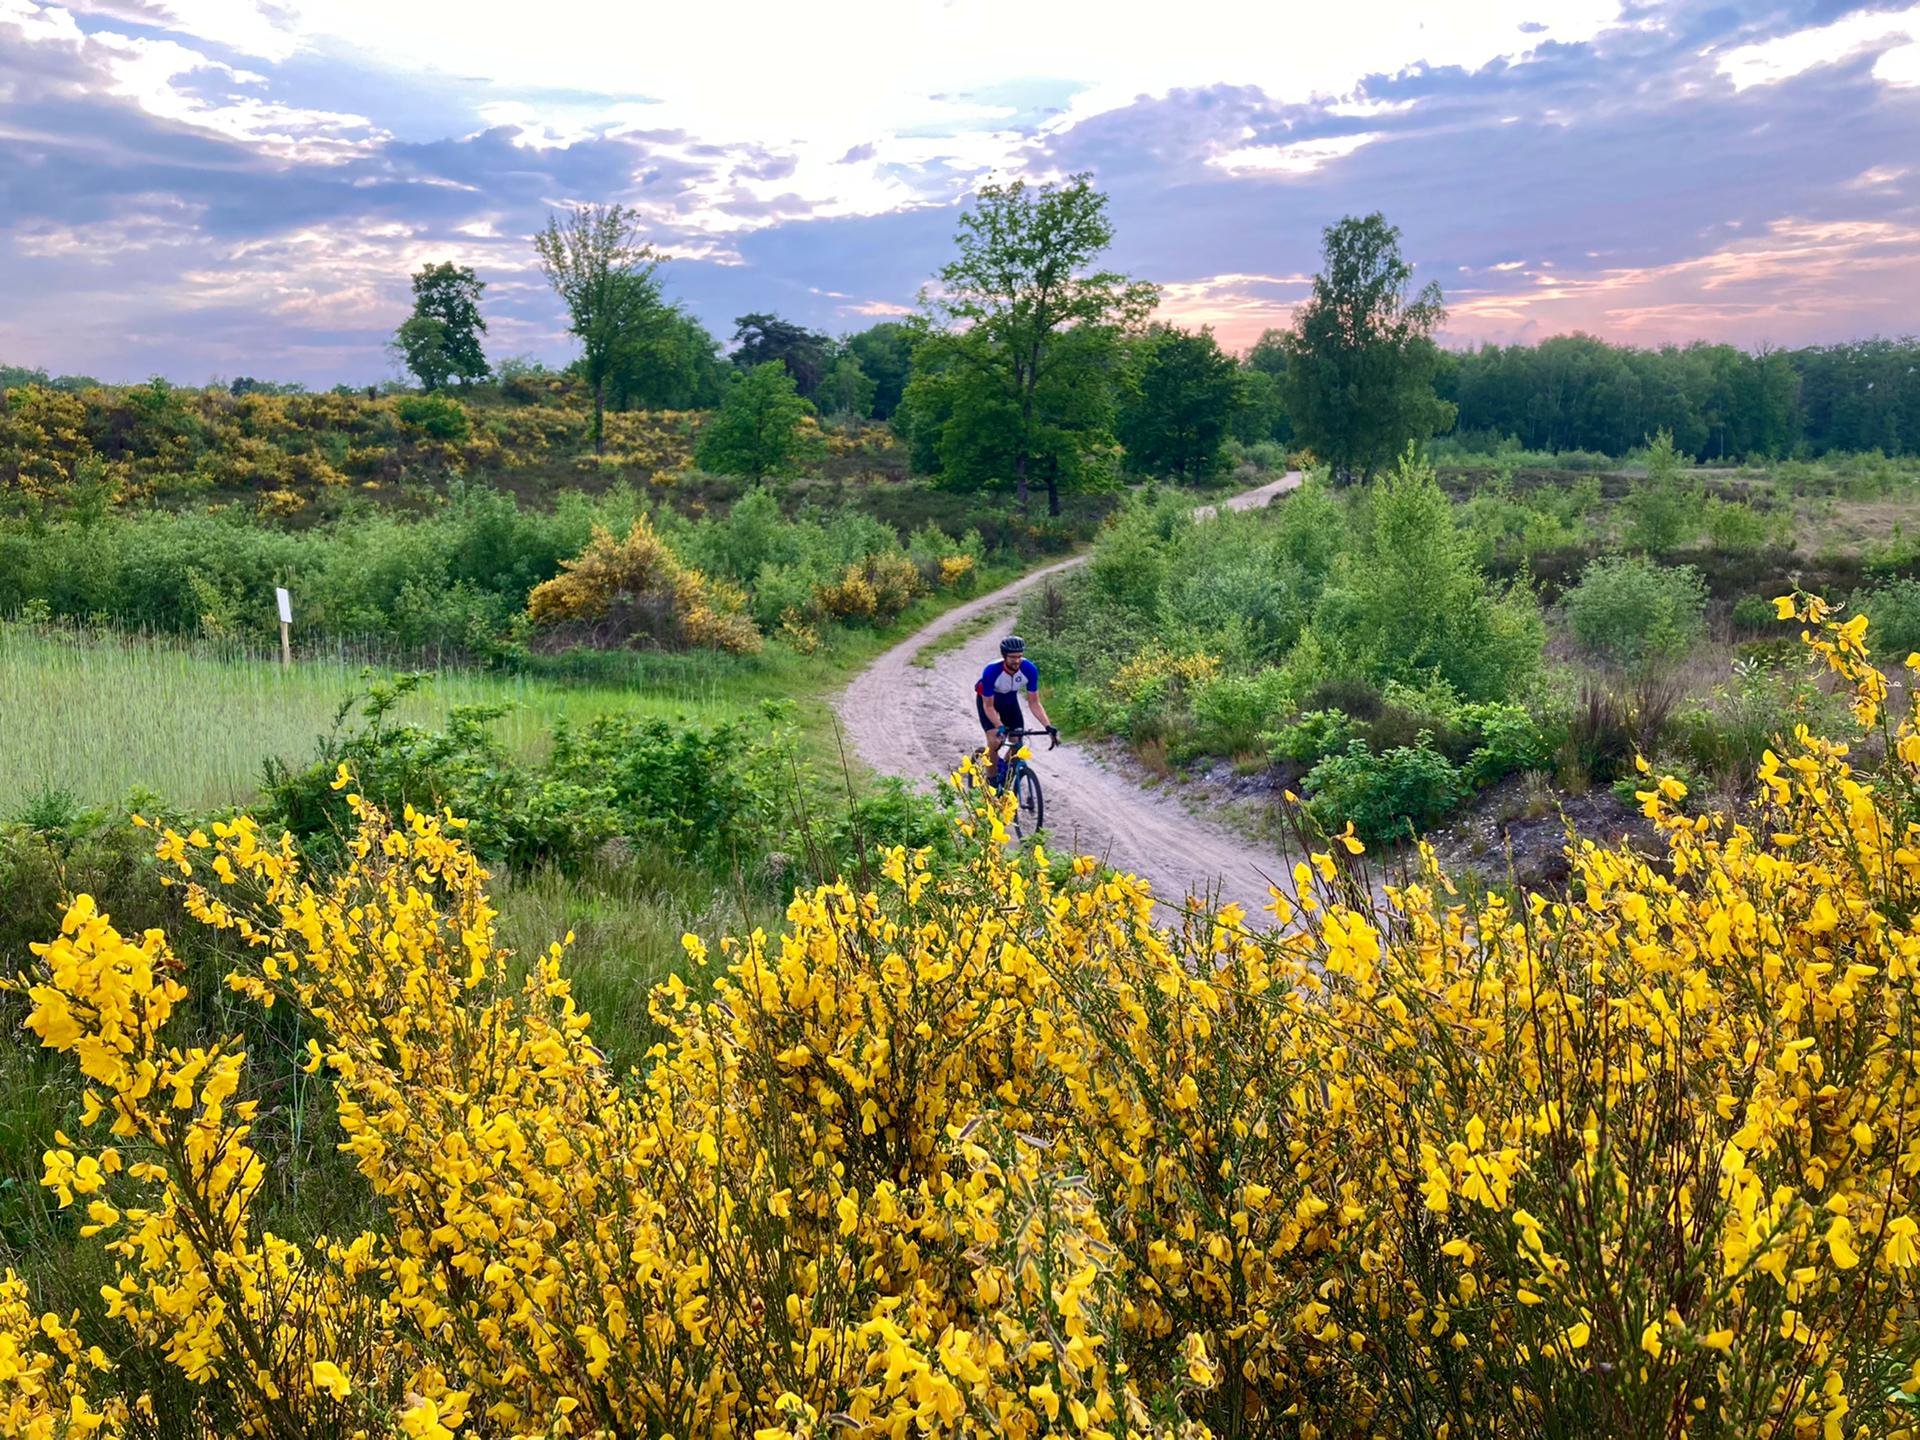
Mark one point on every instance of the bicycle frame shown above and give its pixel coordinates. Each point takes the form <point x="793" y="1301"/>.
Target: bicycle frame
<point x="1013" y="769"/>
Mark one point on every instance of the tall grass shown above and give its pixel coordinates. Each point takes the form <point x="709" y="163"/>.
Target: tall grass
<point x="98" y="715"/>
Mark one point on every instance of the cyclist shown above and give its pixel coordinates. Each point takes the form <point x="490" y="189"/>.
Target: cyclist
<point x="996" y="695"/>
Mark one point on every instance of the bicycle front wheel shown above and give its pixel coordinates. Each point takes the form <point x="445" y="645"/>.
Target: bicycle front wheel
<point x="1030" y="810"/>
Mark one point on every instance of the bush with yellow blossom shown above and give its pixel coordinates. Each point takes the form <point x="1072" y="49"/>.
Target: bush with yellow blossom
<point x="1010" y="1147"/>
<point x="636" y="588"/>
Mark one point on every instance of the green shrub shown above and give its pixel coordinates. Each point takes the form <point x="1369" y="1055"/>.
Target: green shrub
<point x="1508" y="739"/>
<point x="438" y="417"/>
<point x="1231" y="711"/>
<point x="1419" y="606"/>
<point x="1313" y="735"/>
<point x="1753" y="612"/>
<point x="1893" y="617"/>
<point x="706" y="793"/>
<point x="1663" y="508"/>
<point x="1737" y="528"/>
<point x="1386" y="796"/>
<point x="1635" y="613"/>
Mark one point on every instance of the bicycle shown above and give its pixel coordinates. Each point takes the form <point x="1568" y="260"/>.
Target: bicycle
<point x="1018" y="777"/>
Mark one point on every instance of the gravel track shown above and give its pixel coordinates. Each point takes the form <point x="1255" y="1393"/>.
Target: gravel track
<point x="916" y="722"/>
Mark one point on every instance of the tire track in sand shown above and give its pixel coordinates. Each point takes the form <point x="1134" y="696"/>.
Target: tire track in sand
<point x="916" y="722"/>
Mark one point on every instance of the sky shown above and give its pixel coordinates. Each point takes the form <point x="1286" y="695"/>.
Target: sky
<point x="210" y="188"/>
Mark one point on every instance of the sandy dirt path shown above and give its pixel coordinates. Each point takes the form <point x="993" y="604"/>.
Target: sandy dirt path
<point x="916" y="721"/>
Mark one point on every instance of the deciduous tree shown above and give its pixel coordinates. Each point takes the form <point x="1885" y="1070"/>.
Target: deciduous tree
<point x="440" y="340"/>
<point x="1182" y="394"/>
<point x="758" y="430"/>
<point x="1022" y="283"/>
<point x="604" y="274"/>
<point x="1360" y="356"/>
<point x="885" y="353"/>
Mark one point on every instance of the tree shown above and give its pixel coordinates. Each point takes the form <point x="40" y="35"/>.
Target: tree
<point x="1360" y="355"/>
<point x="420" y="344"/>
<point x="670" y="364"/>
<point x="440" y="341"/>
<point x="1022" y="282"/>
<point x="759" y="338"/>
<point x="966" y="428"/>
<point x="1263" y="411"/>
<point x="885" y="353"/>
<point x="846" y="391"/>
<point x="758" y="428"/>
<point x="604" y="274"/>
<point x="1185" y="390"/>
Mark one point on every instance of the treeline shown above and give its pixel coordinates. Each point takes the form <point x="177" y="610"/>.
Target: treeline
<point x="1575" y="392"/>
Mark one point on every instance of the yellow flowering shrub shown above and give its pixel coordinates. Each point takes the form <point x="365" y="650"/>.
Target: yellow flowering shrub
<point x="637" y="587"/>
<point x="49" y="1379"/>
<point x="851" y="597"/>
<point x="956" y="571"/>
<point x="1150" y="670"/>
<point x="800" y="636"/>
<point x="42" y="439"/>
<point x="878" y="588"/>
<point x="999" y="1146"/>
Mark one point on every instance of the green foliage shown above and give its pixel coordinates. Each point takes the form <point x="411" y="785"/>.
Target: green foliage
<point x="1414" y="604"/>
<point x="1182" y="394"/>
<point x="1030" y="332"/>
<point x="1892" y="608"/>
<point x="1738" y="529"/>
<point x="1506" y="739"/>
<point x="758" y="430"/>
<point x="763" y="339"/>
<point x="1756" y="612"/>
<point x="439" y="417"/>
<point x="709" y="793"/>
<point x="885" y="353"/>
<point x="965" y="423"/>
<point x="1635" y="613"/>
<point x="1262" y="411"/>
<point x="1720" y="402"/>
<point x="1231" y="712"/>
<point x="440" y="341"/>
<point x="1664" y="507"/>
<point x="669" y="362"/>
<point x="1311" y="736"/>
<point x="1361" y="360"/>
<point x="846" y="390"/>
<point x="1386" y="796"/>
<point x="604" y="274"/>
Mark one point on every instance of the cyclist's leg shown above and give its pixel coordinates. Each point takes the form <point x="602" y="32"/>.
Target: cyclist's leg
<point x="989" y="764"/>
<point x="1011" y="717"/>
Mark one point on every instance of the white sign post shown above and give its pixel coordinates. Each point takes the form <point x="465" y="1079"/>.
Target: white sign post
<point x="286" y="623"/>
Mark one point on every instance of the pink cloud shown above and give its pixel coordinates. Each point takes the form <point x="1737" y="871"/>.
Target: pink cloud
<point x="1798" y="282"/>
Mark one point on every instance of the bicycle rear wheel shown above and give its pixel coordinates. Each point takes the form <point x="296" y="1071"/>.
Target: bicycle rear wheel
<point x="1030" y="810"/>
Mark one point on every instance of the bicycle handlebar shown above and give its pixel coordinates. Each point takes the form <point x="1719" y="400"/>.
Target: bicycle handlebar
<point x="1052" y="732"/>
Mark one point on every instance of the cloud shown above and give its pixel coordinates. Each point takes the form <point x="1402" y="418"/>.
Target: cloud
<point x="1891" y="38"/>
<point x="189" y="185"/>
<point x="1795" y="280"/>
<point x="1302" y="157"/>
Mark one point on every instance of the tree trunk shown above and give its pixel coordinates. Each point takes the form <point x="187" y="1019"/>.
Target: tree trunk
<point x="1020" y="460"/>
<point x="1053" y="494"/>
<point x="599" y="416"/>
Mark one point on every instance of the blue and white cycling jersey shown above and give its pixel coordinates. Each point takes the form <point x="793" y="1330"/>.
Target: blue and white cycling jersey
<point x="995" y="680"/>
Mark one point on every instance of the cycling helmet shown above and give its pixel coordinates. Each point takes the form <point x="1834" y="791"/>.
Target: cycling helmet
<point x="1013" y="645"/>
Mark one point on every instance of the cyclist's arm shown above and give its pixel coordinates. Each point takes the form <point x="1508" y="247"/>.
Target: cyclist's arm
<point x="990" y="703"/>
<point x="1039" y="710"/>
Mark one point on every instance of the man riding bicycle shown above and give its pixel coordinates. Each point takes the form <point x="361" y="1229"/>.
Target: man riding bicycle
<point x="996" y="696"/>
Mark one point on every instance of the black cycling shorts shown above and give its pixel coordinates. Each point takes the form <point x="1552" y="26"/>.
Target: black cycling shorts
<point x="1009" y="705"/>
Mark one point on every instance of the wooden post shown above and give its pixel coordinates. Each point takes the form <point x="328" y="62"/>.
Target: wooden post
<point x="286" y="625"/>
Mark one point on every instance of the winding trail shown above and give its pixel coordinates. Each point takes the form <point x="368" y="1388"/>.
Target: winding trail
<point x="916" y="721"/>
